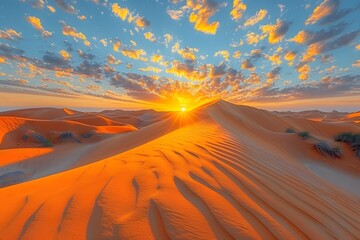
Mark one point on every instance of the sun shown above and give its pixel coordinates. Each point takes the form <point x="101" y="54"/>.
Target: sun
<point x="183" y="109"/>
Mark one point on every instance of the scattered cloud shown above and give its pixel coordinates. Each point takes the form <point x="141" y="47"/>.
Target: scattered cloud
<point x="201" y="14"/>
<point x="10" y="34"/>
<point x="132" y="53"/>
<point x="277" y="31"/>
<point x="72" y="32"/>
<point x="67" y="7"/>
<point x="150" y="36"/>
<point x="36" y="23"/>
<point x="238" y="9"/>
<point x="260" y="15"/>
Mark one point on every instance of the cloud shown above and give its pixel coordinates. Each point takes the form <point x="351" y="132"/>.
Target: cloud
<point x="273" y="75"/>
<point x="64" y="5"/>
<point x="236" y="54"/>
<point x="308" y="37"/>
<point x="238" y="9"/>
<point x="275" y="58"/>
<point x="277" y="31"/>
<point x="156" y="58"/>
<point x="188" y="53"/>
<point x="356" y="63"/>
<point x="150" y="36"/>
<point x="93" y="87"/>
<point x="132" y="53"/>
<point x="260" y="15"/>
<point x="175" y="14"/>
<point x="188" y="70"/>
<point x="72" y="32"/>
<point x="141" y="22"/>
<point x="119" y="11"/>
<point x="321" y="47"/>
<point x="65" y="55"/>
<point x="10" y="34"/>
<point x="357" y="47"/>
<point x="51" y="8"/>
<point x="247" y="64"/>
<point x="303" y="70"/>
<point x="201" y="14"/>
<point x="103" y="42"/>
<point x="36" y="23"/>
<point x="253" y="38"/>
<point x="116" y="45"/>
<point x="150" y="69"/>
<point x="125" y="14"/>
<point x="112" y="60"/>
<point x="82" y="17"/>
<point x="168" y="39"/>
<point x="290" y="57"/>
<point x="35" y="3"/>
<point x="85" y="56"/>
<point x="225" y="54"/>
<point x="327" y="12"/>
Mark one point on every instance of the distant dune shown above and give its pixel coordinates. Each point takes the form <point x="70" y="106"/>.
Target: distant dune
<point x="221" y="171"/>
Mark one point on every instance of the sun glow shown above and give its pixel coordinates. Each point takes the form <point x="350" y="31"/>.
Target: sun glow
<point x="183" y="109"/>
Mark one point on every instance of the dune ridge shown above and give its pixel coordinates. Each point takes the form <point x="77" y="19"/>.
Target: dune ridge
<point x="220" y="171"/>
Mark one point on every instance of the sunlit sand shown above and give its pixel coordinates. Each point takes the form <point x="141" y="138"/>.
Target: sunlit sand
<point x="220" y="171"/>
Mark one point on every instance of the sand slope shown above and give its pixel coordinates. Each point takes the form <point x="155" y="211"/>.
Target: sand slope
<point x="220" y="172"/>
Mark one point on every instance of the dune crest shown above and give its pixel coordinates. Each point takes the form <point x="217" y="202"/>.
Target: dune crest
<point x="221" y="171"/>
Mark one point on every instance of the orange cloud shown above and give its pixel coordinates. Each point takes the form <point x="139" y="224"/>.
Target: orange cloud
<point x="276" y="32"/>
<point x="150" y="69"/>
<point x="116" y="46"/>
<point x="275" y="58"/>
<point x="112" y="60"/>
<point x="10" y="34"/>
<point x="141" y="22"/>
<point x="188" y="53"/>
<point x="72" y="32"/>
<point x="156" y="58"/>
<point x="357" y="47"/>
<point x="252" y="38"/>
<point x="65" y="55"/>
<point x="51" y="8"/>
<point x="260" y="15"/>
<point x="2" y="60"/>
<point x="82" y="17"/>
<point x="326" y="8"/>
<point x="150" y="36"/>
<point x="119" y="11"/>
<point x="200" y="15"/>
<point x="312" y="51"/>
<point x="36" y="23"/>
<point x="184" y="70"/>
<point x="236" y="54"/>
<point x="238" y="8"/>
<point x="225" y="54"/>
<point x="134" y="54"/>
<point x="302" y="37"/>
<point x="304" y="72"/>
<point x="290" y="56"/>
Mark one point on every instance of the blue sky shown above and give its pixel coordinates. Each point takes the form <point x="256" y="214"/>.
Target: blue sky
<point x="170" y="54"/>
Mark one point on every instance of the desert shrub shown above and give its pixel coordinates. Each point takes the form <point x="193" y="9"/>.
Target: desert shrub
<point x="326" y="149"/>
<point x="304" y="135"/>
<point x="350" y="138"/>
<point x="289" y="130"/>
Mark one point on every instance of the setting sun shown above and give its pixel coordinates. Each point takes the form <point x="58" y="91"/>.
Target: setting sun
<point x="183" y="109"/>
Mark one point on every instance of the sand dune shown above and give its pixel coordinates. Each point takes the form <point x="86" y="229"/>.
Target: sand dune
<point x="220" y="171"/>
